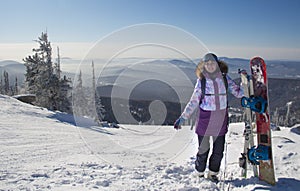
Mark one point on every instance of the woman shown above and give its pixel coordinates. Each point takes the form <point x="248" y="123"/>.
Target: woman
<point x="213" y="113"/>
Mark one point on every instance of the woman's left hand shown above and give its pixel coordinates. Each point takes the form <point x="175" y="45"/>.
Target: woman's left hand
<point x="178" y="123"/>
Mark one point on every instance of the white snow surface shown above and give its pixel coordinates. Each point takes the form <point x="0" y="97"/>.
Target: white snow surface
<point x="44" y="150"/>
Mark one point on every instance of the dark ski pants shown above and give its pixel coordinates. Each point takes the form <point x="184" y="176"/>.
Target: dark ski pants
<point x="203" y="151"/>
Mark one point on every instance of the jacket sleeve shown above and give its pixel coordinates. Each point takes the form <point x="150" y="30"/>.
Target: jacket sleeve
<point x="193" y="104"/>
<point x="234" y="89"/>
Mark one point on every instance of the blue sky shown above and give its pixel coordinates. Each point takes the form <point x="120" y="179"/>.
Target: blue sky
<point x="230" y="28"/>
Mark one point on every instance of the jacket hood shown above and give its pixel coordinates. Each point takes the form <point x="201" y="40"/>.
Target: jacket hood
<point x="223" y="67"/>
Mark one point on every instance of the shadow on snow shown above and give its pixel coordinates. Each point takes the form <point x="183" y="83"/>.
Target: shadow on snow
<point x="82" y="122"/>
<point x="287" y="184"/>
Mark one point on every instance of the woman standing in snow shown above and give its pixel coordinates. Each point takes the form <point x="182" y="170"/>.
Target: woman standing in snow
<point x="213" y="114"/>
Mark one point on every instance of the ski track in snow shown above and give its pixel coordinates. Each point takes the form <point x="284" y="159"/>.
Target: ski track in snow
<point x="40" y="151"/>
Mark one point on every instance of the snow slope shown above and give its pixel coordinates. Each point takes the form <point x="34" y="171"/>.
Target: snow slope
<point x="44" y="150"/>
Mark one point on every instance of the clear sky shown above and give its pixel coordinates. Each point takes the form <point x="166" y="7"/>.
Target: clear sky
<point x="233" y="28"/>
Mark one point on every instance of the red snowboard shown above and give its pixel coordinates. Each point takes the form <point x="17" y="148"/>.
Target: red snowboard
<point x="260" y="86"/>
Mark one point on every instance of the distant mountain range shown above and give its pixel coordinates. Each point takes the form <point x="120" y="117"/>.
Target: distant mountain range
<point x="14" y="69"/>
<point x="17" y="69"/>
<point x="150" y="81"/>
<point x="284" y="87"/>
<point x="276" y="68"/>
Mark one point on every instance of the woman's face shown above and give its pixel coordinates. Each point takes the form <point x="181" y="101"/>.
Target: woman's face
<point x="210" y="66"/>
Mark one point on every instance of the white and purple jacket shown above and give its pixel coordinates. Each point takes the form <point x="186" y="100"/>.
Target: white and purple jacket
<point x="212" y="105"/>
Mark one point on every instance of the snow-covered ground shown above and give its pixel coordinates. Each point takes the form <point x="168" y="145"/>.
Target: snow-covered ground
<point x="44" y="150"/>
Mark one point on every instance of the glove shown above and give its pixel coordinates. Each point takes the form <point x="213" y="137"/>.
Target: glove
<point x="178" y="123"/>
<point x="243" y="71"/>
<point x="244" y="80"/>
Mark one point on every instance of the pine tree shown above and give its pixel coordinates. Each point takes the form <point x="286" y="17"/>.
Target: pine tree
<point x="6" y="83"/>
<point x="79" y="98"/>
<point x="64" y="89"/>
<point x="65" y="95"/>
<point x="100" y="111"/>
<point x="1" y="85"/>
<point x="32" y="72"/>
<point x="287" y="117"/>
<point x="40" y="79"/>
<point x="16" y="89"/>
<point x="57" y="65"/>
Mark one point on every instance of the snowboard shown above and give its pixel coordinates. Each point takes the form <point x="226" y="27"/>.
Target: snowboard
<point x="248" y="132"/>
<point x="263" y="153"/>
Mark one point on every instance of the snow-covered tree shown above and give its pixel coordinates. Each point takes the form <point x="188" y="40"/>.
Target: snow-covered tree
<point x="6" y="88"/>
<point x="31" y="76"/>
<point x="1" y="85"/>
<point x="15" y="89"/>
<point x="100" y="111"/>
<point x="39" y="73"/>
<point x="57" y="69"/>
<point x="64" y="88"/>
<point x="65" y="95"/>
<point x="79" y="98"/>
<point x="6" y="83"/>
<point x="42" y="78"/>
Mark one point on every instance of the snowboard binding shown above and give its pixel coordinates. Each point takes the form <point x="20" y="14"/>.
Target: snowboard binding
<point x="261" y="152"/>
<point x="257" y="104"/>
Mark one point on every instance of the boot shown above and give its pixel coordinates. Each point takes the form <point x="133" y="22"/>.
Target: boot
<point x="199" y="174"/>
<point x="213" y="176"/>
